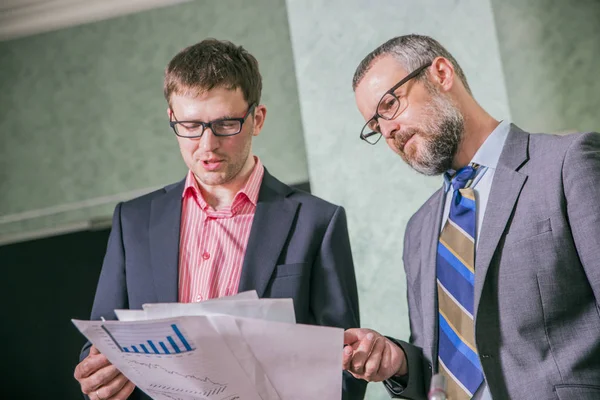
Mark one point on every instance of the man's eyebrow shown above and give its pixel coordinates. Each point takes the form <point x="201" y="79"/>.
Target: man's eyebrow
<point x="401" y="89"/>
<point x="227" y="116"/>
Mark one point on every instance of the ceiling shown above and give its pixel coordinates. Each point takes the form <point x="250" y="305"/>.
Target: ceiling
<point x="20" y="18"/>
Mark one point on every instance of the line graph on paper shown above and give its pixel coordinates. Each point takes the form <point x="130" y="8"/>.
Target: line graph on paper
<point x="189" y="387"/>
<point x="155" y="338"/>
<point x="160" y="394"/>
<point x="171" y="394"/>
<point x="155" y="367"/>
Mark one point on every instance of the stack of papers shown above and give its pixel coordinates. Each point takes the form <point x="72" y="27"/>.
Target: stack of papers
<point x="237" y="347"/>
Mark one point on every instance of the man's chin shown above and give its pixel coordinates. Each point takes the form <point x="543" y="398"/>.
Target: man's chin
<point x="428" y="170"/>
<point x="408" y="158"/>
<point x="213" y="178"/>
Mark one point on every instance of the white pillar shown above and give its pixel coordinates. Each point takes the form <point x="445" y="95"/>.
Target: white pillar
<point x="380" y="193"/>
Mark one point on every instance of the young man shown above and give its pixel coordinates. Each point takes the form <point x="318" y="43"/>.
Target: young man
<point x="229" y="226"/>
<point x="503" y="262"/>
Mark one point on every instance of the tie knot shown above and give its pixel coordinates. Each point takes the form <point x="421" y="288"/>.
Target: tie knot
<point x="463" y="176"/>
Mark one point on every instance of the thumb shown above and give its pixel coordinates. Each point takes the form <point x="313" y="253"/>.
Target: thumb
<point x="94" y="351"/>
<point x="352" y="336"/>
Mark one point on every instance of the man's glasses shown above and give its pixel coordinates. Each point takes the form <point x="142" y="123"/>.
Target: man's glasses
<point x="388" y="108"/>
<point x="219" y="127"/>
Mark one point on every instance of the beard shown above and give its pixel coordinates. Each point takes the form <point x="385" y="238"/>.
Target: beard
<point x="440" y="135"/>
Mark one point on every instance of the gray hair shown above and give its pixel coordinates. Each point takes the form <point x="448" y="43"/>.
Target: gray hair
<point x="411" y="51"/>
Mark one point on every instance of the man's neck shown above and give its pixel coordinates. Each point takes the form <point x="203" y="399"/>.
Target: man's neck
<point x="222" y="196"/>
<point x="478" y="126"/>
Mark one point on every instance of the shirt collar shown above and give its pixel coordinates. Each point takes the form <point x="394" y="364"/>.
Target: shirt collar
<point x="249" y="191"/>
<point x="488" y="154"/>
<point x="252" y="186"/>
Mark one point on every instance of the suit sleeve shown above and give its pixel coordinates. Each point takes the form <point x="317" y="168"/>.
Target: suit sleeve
<point x="581" y="181"/>
<point x="111" y="292"/>
<point x="413" y="385"/>
<point x="334" y="295"/>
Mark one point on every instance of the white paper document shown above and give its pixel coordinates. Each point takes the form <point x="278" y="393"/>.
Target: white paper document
<point x="183" y="358"/>
<point x="164" y="310"/>
<point x="280" y="310"/>
<point x="222" y="349"/>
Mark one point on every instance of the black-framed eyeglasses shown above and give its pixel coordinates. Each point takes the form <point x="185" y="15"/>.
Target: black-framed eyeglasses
<point x="219" y="127"/>
<point x="389" y="107"/>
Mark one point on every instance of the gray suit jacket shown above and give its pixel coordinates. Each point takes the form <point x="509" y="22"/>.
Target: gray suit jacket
<point x="537" y="274"/>
<point x="298" y="248"/>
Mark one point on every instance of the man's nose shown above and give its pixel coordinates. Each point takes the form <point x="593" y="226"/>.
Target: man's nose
<point x="388" y="128"/>
<point x="208" y="140"/>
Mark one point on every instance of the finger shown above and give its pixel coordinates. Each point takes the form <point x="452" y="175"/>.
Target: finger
<point x="101" y="378"/>
<point x="94" y="350"/>
<point x="124" y="393"/>
<point x="362" y="353"/>
<point x="374" y="360"/>
<point x="112" y="387"/>
<point x="386" y="362"/>
<point x="90" y="365"/>
<point x="352" y="335"/>
<point x="347" y="357"/>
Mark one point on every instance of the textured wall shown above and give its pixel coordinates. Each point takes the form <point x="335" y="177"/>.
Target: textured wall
<point x="551" y="55"/>
<point x="329" y="38"/>
<point x="82" y="114"/>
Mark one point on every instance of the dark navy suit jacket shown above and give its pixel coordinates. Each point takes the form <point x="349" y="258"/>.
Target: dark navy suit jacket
<point x="298" y="248"/>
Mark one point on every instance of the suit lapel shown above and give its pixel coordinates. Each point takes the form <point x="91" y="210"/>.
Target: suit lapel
<point x="270" y="229"/>
<point x="429" y="244"/>
<point x="165" y="222"/>
<point x="504" y="193"/>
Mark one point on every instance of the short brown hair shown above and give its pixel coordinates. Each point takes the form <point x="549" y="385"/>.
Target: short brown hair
<point x="212" y="64"/>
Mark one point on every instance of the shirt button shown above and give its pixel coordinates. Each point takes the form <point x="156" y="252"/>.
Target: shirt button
<point x="198" y="298"/>
<point x="206" y="255"/>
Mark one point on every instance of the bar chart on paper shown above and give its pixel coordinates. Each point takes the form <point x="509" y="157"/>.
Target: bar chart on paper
<point x="152" y="338"/>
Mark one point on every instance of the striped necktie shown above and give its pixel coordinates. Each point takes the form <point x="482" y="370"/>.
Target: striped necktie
<point x="458" y="358"/>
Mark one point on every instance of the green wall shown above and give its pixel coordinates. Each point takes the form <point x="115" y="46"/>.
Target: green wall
<point x="551" y="56"/>
<point x="83" y="119"/>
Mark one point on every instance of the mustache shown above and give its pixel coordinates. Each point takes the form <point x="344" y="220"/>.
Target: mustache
<point x="209" y="156"/>
<point x="401" y="138"/>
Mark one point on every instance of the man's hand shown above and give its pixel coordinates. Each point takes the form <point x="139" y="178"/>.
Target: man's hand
<point x="372" y="357"/>
<point x="101" y="380"/>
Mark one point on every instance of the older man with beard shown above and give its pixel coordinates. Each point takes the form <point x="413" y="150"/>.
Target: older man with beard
<point x="503" y="262"/>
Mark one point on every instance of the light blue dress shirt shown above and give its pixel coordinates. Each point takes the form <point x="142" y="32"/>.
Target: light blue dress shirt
<point x="487" y="157"/>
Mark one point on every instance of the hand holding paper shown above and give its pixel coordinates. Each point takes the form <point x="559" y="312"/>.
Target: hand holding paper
<point x="211" y="350"/>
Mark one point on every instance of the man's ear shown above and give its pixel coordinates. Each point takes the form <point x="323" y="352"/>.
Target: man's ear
<point x="260" y="114"/>
<point x="442" y="73"/>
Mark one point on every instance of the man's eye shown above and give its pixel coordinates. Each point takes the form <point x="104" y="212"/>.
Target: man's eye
<point x="388" y="103"/>
<point x="191" y="125"/>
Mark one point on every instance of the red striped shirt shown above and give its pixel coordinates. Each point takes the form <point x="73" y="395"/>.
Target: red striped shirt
<point x="213" y="243"/>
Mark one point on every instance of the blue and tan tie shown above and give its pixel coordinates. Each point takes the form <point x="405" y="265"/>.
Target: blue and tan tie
<point x="458" y="358"/>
